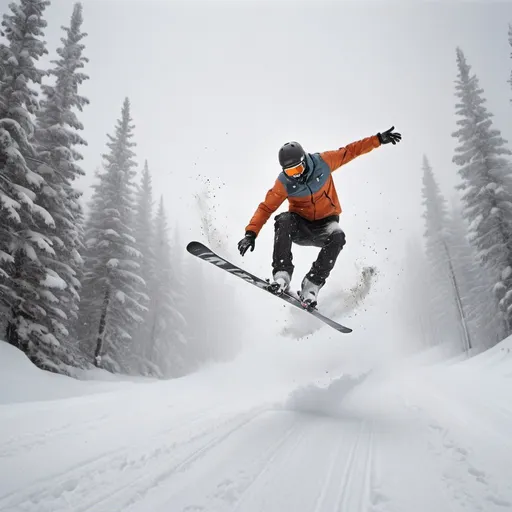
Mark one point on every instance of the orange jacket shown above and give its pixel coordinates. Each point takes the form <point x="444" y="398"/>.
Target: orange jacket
<point x="316" y="197"/>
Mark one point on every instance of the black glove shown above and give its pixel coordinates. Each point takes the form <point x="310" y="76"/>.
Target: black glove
<point x="249" y="240"/>
<point x="389" y="136"/>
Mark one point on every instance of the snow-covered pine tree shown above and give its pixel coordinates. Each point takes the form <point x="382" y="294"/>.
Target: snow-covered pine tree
<point x="111" y="305"/>
<point x="166" y="323"/>
<point x="446" y="305"/>
<point x="486" y="186"/>
<point x="21" y="243"/>
<point x="510" y="43"/>
<point x="56" y="140"/>
<point x="23" y="30"/>
<point x="475" y="285"/>
<point x="143" y="232"/>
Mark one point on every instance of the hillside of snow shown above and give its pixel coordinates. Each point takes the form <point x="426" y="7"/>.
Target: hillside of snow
<point x="285" y="426"/>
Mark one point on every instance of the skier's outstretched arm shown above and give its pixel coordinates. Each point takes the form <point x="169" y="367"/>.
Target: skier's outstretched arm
<point x="335" y="159"/>
<point x="273" y="200"/>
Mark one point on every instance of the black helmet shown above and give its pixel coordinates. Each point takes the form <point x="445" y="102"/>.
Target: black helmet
<point x="291" y="154"/>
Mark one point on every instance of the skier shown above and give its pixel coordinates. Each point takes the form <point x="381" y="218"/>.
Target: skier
<point x="312" y="218"/>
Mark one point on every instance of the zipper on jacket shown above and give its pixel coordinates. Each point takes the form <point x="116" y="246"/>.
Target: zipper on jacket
<point x="314" y="205"/>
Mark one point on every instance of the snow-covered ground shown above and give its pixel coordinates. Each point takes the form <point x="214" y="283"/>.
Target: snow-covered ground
<point x="316" y="425"/>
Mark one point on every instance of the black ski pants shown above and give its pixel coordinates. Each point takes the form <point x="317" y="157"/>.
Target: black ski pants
<point x="325" y="233"/>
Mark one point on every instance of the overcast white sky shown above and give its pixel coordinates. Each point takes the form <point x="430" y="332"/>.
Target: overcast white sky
<point x="216" y="87"/>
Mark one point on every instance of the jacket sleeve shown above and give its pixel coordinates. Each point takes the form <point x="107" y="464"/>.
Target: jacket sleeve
<point x="273" y="200"/>
<point x="338" y="157"/>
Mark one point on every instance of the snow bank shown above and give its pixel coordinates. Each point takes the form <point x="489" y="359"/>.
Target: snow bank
<point x="424" y="380"/>
<point x="329" y="422"/>
<point x="497" y="360"/>
<point x="22" y="381"/>
<point x="314" y="374"/>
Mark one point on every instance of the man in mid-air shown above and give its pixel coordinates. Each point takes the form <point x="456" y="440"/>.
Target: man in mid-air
<point x="312" y="218"/>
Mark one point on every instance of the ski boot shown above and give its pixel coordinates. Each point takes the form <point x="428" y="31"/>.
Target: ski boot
<point x="280" y="284"/>
<point x="309" y="294"/>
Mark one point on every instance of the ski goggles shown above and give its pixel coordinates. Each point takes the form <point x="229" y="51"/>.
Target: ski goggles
<point x="296" y="170"/>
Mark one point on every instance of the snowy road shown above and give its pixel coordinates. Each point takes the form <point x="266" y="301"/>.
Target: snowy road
<point x="432" y="437"/>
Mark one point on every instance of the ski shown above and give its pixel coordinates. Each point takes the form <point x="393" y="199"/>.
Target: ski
<point x="203" y="252"/>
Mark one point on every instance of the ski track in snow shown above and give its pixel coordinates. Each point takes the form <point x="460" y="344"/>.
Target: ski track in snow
<point x="262" y="459"/>
<point x="352" y="445"/>
<point x="465" y="476"/>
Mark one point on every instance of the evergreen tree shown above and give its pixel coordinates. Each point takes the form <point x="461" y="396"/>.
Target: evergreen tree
<point x="510" y="42"/>
<point x="112" y="299"/>
<point x="23" y="276"/>
<point x="446" y="305"/>
<point x="144" y="236"/>
<point x="23" y="30"/>
<point x="475" y="285"/>
<point x="166" y="323"/>
<point x="56" y="141"/>
<point x="486" y="186"/>
<point x="144" y="223"/>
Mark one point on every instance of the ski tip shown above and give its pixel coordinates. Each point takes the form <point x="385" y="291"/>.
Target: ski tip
<point x="194" y="246"/>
